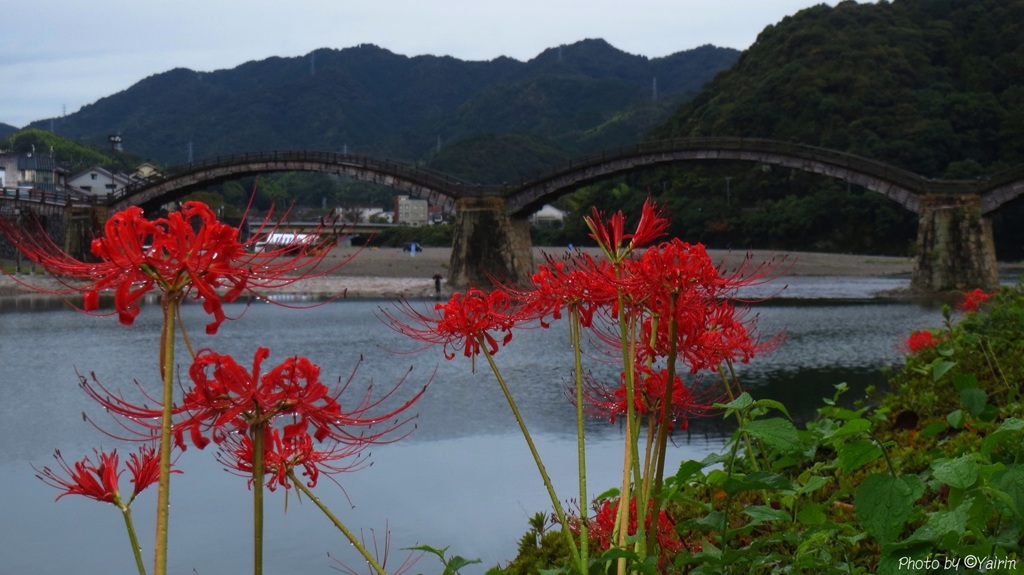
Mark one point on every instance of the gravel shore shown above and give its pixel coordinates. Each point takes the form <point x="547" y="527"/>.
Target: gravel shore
<point x="391" y="272"/>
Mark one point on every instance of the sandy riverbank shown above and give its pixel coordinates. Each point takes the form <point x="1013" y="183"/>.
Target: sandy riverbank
<point x="391" y="272"/>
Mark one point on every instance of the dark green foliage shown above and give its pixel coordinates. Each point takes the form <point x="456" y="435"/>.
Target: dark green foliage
<point x="368" y="100"/>
<point x="71" y="156"/>
<point x="539" y="548"/>
<point x="867" y="488"/>
<point x="934" y="87"/>
<point x="439" y="235"/>
<point x="497" y="159"/>
<point x="918" y="84"/>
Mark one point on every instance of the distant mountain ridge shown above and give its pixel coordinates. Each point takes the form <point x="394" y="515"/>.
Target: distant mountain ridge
<point x="366" y="99"/>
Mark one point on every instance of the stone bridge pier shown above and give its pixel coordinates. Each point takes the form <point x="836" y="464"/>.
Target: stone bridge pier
<point x="956" y="247"/>
<point x="488" y="245"/>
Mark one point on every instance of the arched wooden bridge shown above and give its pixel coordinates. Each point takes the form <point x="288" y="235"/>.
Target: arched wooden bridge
<point x="956" y="240"/>
<point x="901" y="186"/>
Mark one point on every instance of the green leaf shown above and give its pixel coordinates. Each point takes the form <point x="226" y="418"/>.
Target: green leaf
<point x="814" y="483"/>
<point x="775" y="432"/>
<point x="772" y="404"/>
<point x="753" y="481"/>
<point x="956" y="419"/>
<point x="740" y="403"/>
<point x="687" y="470"/>
<point x="962" y="381"/>
<point x="856" y="453"/>
<point x="883" y="504"/>
<point x="1012" y="484"/>
<point x="811" y="514"/>
<point x="934" y="429"/>
<point x="852" y="427"/>
<point x="973" y="400"/>
<point x="954" y="521"/>
<point x="1008" y="432"/>
<point x="960" y="473"/>
<point x="763" y="513"/>
<point x="458" y="562"/>
<point x="940" y="368"/>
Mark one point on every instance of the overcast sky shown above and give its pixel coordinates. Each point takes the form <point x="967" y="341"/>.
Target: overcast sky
<point x="59" y="55"/>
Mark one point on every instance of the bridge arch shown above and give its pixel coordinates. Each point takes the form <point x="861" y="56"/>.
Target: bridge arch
<point x="1001" y="188"/>
<point x="436" y="188"/>
<point x="901" y="186"/>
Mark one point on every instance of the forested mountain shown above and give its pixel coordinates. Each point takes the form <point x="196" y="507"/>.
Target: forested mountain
<point x="574" y="99"/>
<point x="932" y="86"/>
<point x="6" y="130"/>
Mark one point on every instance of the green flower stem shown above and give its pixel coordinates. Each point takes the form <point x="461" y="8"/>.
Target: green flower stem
<point x="536" y="456"/>
<point x="661" y="444"/>
<point x="631" y="456"/>
<point x="133" y="538"/>
<point x="169" y="301"/>
<point x="258" y="471"/>
<point x="575" y="335"/>
<point x="374" y="564"/>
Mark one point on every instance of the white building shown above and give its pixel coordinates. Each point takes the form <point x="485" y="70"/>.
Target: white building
<point x="99" y="181"/>
<point x="547" y="216"/>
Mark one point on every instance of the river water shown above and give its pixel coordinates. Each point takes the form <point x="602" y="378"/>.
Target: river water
<point x="464" y="478"/>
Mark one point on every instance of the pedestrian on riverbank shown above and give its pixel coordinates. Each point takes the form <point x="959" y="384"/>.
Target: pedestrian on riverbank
<point x="437" y="285"/>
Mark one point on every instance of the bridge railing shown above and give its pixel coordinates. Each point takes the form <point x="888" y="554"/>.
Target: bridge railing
<point x="55" y="197"/>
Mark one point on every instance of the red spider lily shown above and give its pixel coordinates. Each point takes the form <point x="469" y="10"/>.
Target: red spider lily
<point x="576" y="281"/>
<point x="973" y="299"/>
<point x="920" y="340"/>
<point x="706" y="336"/>
<point x="99" y="480"/>
<point x="611" y="403"/>
<point x="282" y="454"/>
<point x="187" y="252"/>
<point x="467" y="322"/>
<point x="677" y="284"/>
<point x="602" y="525"/>
<point x="227" y="397"/>
<point x="609" y="232"/>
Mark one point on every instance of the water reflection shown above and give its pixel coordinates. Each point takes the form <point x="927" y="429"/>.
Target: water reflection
<point x="464" y="478"/>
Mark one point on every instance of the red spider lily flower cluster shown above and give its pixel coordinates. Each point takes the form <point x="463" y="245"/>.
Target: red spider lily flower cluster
<point x="228" y="401"/>
<point x="675" y="284"/>
<point x="670" y="283"/>
<point x="575" y="282"/>
<point x="611" y="404"/>
<point x="973" y="299"/>
<point x="602" y="525"/>
<point x="99" y="480"/>
<point x="610" y="235"/>
<point x="920" y="340"/>
<point x="188" y="251"/>
<point x="467" y="321"/>
<point x="281" y="456"/>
